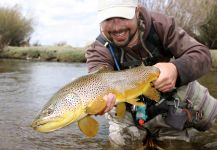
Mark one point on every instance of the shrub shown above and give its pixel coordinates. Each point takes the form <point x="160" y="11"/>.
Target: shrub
<point x="15" y="29"/>
<point x="189" y="15"/>
<point x="208" y="30"/>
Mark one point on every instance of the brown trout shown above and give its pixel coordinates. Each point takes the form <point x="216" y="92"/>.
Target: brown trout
<point x="83" y="97"/>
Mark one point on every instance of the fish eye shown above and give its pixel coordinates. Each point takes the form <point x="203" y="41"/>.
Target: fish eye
<point x="48" y="111"/>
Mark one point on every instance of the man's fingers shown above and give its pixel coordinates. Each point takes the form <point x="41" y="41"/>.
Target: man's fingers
<point x="110" y="102"/>
<point x="167" y="79"/>
<point x="165" y="87"/>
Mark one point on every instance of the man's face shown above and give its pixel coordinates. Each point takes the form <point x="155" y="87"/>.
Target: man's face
<point x="120" y="31"/>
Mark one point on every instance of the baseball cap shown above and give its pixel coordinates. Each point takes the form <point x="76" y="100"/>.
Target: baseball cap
<point x="116" y="8"/>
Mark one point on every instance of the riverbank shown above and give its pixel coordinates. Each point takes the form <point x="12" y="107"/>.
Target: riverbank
<point x="45" y="53"/>
<point x="58" y="53"/>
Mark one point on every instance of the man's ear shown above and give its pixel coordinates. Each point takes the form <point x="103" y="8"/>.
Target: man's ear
<point x="137" y="12"/>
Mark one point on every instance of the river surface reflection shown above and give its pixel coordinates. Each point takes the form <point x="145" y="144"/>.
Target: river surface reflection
<point x="26" y="86"/>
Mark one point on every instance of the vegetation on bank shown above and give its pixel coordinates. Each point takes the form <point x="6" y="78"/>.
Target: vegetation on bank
<point x="58" y="53"/>
<point x="45" y="53"/>
<point x="15" y="29"/>
<point x="197" y="17"/>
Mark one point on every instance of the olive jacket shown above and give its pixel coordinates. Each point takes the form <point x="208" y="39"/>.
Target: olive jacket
<point x="192" y="59"/>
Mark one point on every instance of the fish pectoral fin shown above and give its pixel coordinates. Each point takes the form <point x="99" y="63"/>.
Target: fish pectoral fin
<point x="133" y="101"/>
<point x="89" y="126"/>
<point x="96" y="107"/>
<point x="152" y="94"/>
<point x="120" y="110"/>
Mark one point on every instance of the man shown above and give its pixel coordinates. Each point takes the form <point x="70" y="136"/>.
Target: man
<point x="129" y="36"/>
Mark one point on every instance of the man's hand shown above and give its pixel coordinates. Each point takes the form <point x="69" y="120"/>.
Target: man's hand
<point x="168" y="76"/>
<point x="110" y="102"/>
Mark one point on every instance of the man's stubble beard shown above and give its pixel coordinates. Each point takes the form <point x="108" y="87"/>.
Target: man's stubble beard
<point x="125" y="43"/>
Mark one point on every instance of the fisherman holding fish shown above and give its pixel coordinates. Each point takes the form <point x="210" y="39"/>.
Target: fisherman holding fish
<point x="143" y="71"/>
<point x="130" y="36"/>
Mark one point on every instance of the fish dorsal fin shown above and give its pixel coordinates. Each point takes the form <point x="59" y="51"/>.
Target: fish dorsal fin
<point x="102" y="69"/>
<point x="96" y="106"/>
<point x="89" y="126"/>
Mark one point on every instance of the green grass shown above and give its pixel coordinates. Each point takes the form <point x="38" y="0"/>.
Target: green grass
<point x="57" y="53"/>
<point x="45" y="53"/>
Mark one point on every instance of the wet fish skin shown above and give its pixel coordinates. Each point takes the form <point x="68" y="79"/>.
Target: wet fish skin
<point x="83" y="97"/>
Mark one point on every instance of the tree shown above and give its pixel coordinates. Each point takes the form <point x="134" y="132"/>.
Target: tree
<point x="14" y="28"/>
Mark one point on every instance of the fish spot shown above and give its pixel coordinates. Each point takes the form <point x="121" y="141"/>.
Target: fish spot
<point x="68" y="103"/>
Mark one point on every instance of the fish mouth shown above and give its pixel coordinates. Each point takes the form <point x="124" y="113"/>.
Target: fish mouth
<point x="38" y="123"/>
<point x="46" y="125"/>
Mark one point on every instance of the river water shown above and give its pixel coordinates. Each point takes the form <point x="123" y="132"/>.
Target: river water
<point x="26" y="86"/>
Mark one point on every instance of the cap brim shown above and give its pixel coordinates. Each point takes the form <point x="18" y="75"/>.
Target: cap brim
<point x="123" y="12"/>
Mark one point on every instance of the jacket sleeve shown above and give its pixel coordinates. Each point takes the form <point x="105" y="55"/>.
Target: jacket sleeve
<point x="192" y="59"/>
<point x="97" y="55"/>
